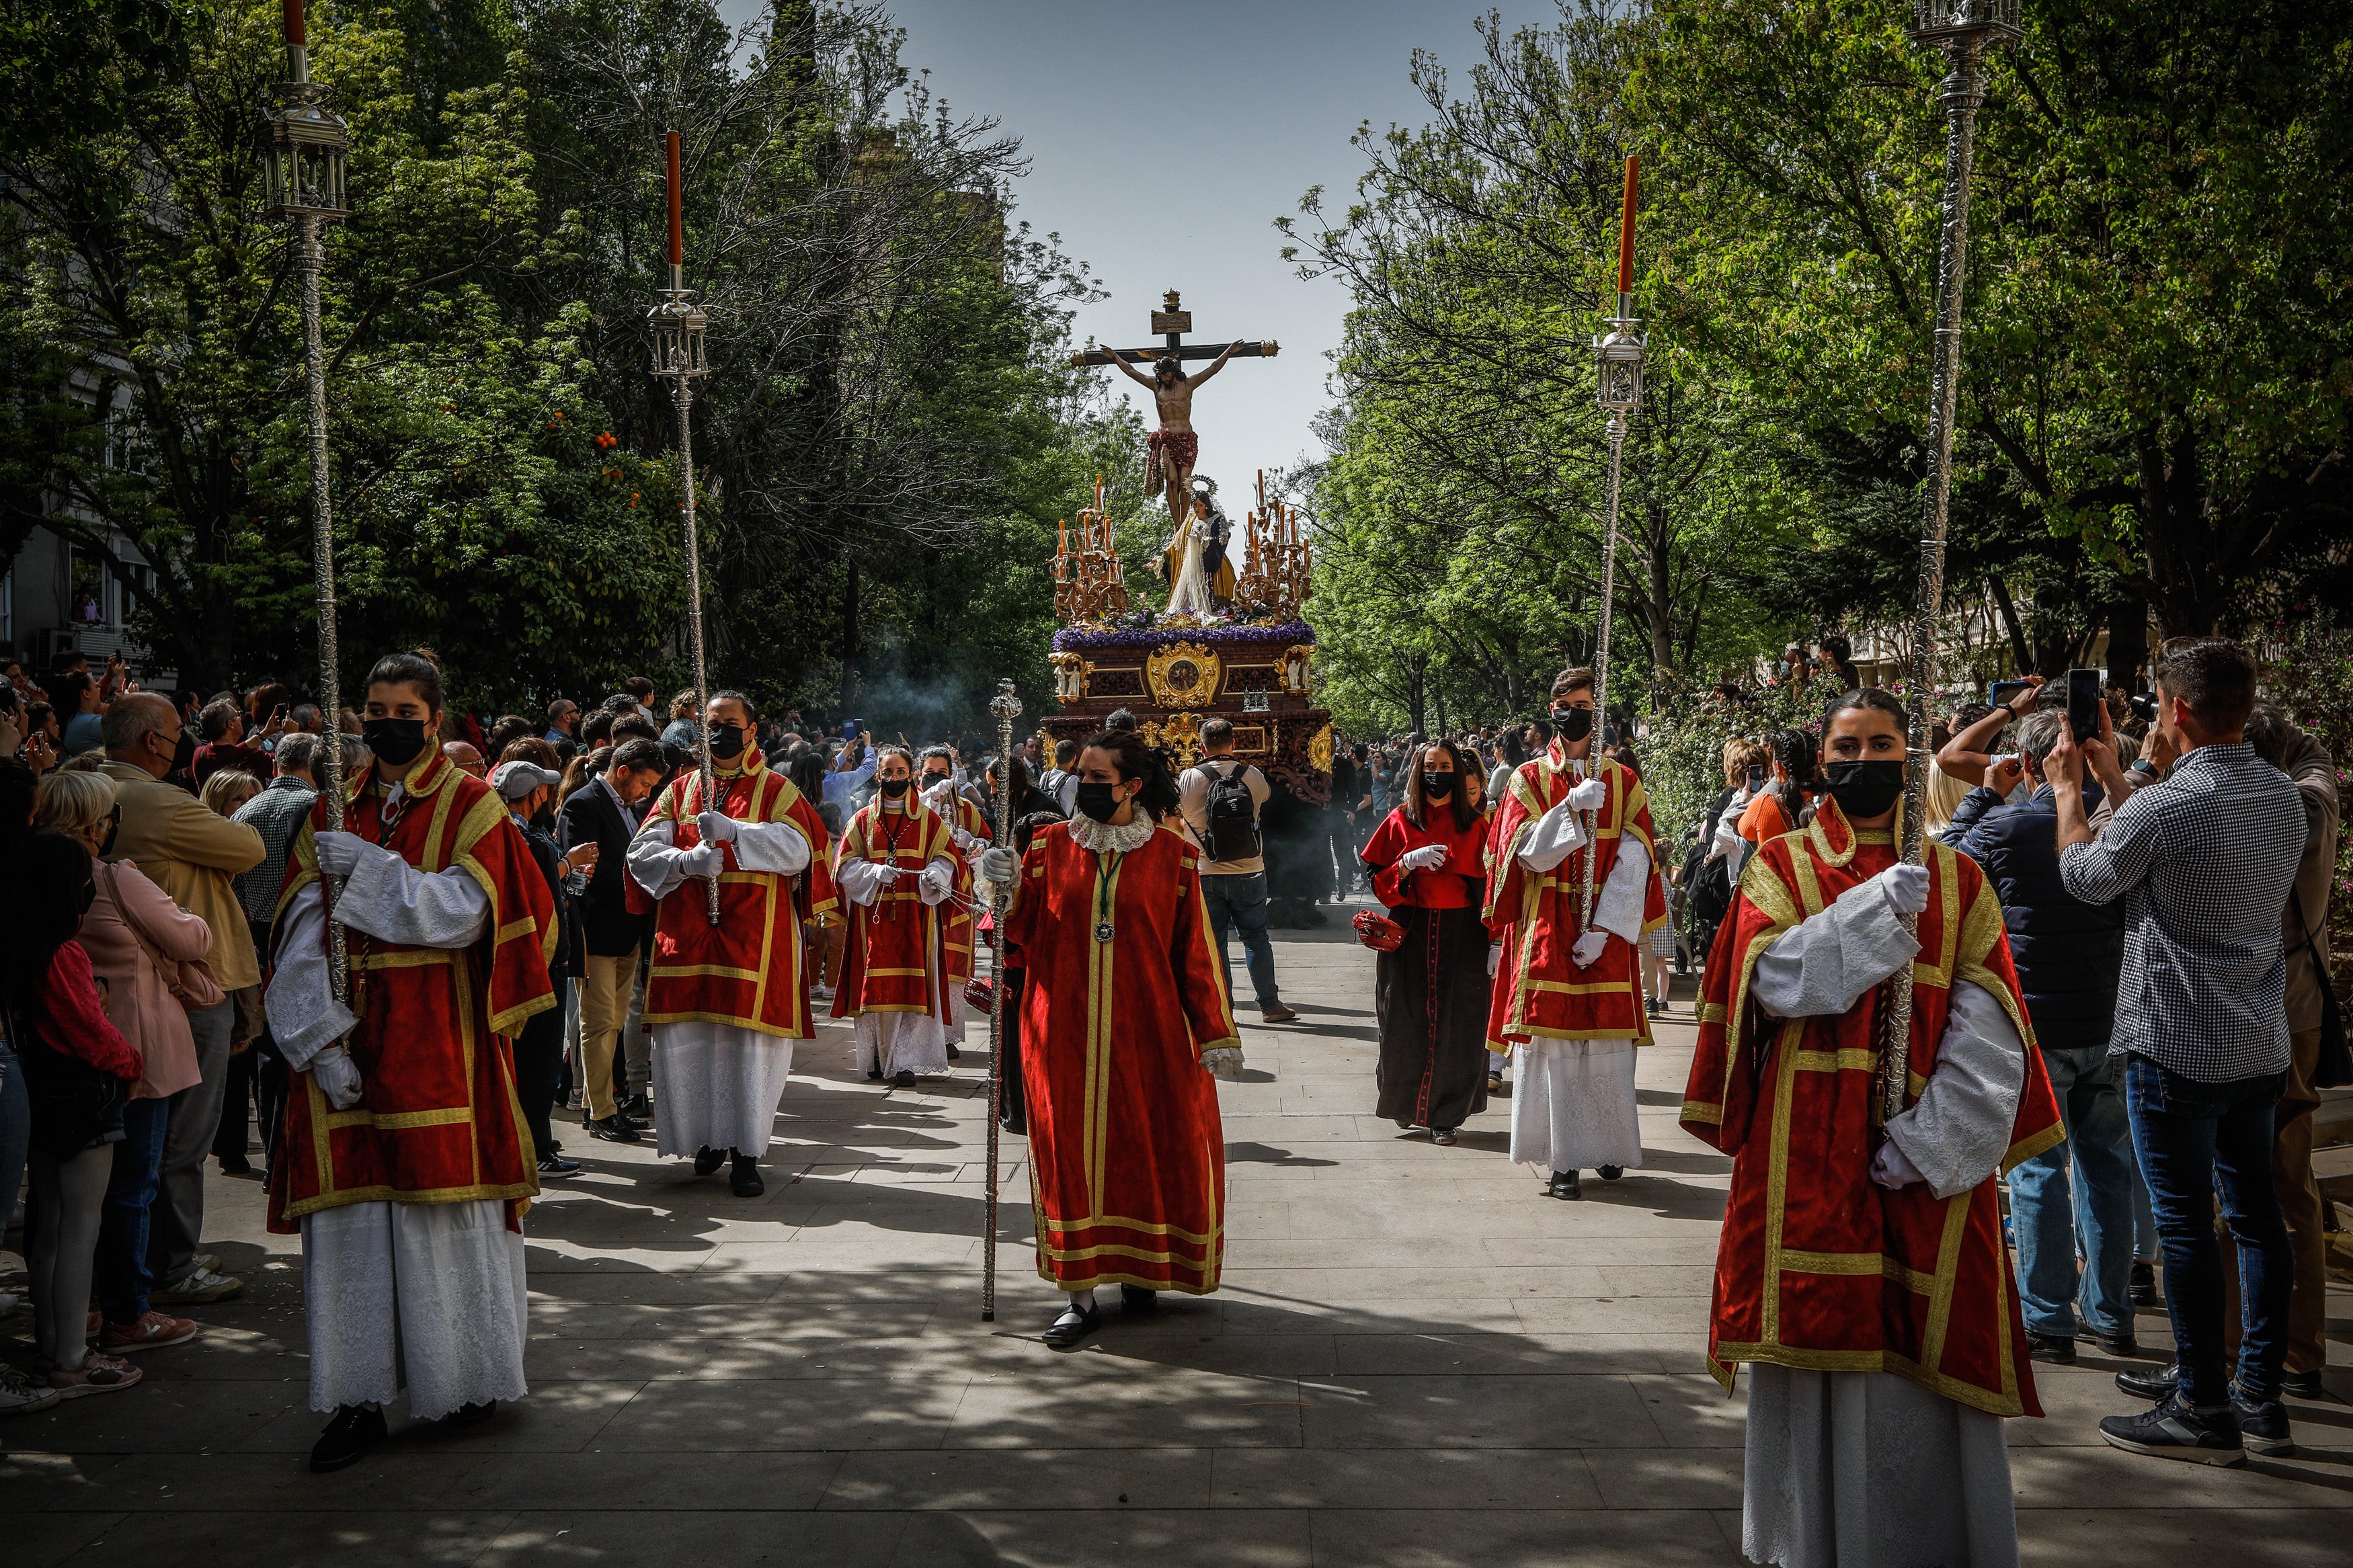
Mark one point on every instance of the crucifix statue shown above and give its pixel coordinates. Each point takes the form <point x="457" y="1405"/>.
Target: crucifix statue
<point x="1172" y="449"/>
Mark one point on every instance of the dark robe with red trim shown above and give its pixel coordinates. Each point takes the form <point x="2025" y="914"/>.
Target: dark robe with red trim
<point x="1127" y="1154"/>
<point x="1819" y="1267"/>
<point x="1431" y="994"/>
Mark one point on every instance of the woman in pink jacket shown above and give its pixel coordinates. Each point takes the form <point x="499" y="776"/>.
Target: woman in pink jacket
<point x="131" y="930"/>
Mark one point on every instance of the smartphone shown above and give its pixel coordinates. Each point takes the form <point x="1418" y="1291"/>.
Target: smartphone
<point x="1756" y="780"/>
<point x="2001" y="691"/>
<point x="2083" y="703"/>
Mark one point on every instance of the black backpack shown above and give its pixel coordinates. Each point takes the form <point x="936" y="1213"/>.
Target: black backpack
<point x="1232" y="814"/>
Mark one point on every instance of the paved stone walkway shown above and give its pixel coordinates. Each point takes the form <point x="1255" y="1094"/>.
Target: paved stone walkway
<point x="1417" y="1359"/>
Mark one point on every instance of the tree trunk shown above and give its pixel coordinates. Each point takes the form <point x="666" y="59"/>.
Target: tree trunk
<point x="2128" y="646"/>
<point x="849" y="639"/>
<point x="2010" y="623"/>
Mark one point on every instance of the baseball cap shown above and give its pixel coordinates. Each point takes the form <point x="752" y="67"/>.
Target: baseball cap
<point x="517" y="779"/>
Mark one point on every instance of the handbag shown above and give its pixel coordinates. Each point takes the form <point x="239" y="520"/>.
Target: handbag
<point x="190" y="982"/>
<point x="1377" y="932"/>
<point x="75" y="1105"/>
<point x="2334" y="1068"/>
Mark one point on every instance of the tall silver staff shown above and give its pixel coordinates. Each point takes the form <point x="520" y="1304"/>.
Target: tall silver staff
<point x="304" y="149"/>
<point x="1618" y="359"/>
<point x="676" y="327"/>
<point x="1005" y="707"/>
<point x="1964" y="29"/>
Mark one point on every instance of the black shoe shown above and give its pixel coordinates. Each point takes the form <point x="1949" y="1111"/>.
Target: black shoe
<point x="2174" y="1431"/>
<point x="2143" y="1383"/>
<point x="1610" y="1173"/>
<point x="1136" y="1298"/>
<point x="237" y="1165"/>
<point x="874" y="1075"/>
<point x="634" y="1123"/>
<point x="906" y="1079"/>
<point x="1444" y="1135"/>
<point x="2143" y="1284"/>
<point x="2303" y="1385"/>
<point x="1564" y="1184"/>
<point x="707" y="1160"/>
<point x="613" y="1129"/>
<point x="553" y="1167"/>
<point x="2057" y="1350"/>
<point x="2124" y="1346"/>
<point x="2263" y="1425"/>
<point x="1074" y="1325"/>
<point x="471" y="1414"/>
<point x="354" y="1430"/>
<point x="955" y="1055"/>
<point x="638" y="1106"/>
<point x="745" y="1181"/>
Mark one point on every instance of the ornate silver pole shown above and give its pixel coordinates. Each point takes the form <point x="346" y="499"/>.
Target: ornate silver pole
<point x="1005" y="708"/>
<point x="304" y="147"/>
<point x="1963" y="29"/>
<point x="677" y="329"/>
<point x="1618" y="359"/>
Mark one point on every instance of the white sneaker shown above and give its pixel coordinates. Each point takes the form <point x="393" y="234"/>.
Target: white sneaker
<point x="20" y="1396"/>
<point x="202" y="1285"/>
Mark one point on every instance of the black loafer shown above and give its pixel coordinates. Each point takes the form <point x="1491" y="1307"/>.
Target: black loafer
<point x="354" y="1430"/>
<point x="745" y="1181"/>
<point x="471" y="1414"/>
<point x="2144" y="1285"/>
<point x="707" y="1160"/>
<point x="1441" y="1134"/>
<point x="874" y="1075"/>
<point x="1610" y="1173"/>
<point x="614" y="1130"/>
<point x="955" y="1055"/>
<point x="2056" y="1349"/>
<point x="2124" y="1346"/>
<point x="1072" y="1327"/>
<point x="1564" y="1184"/>
<point x="2149" y="1383"/>
<point x="906" y="1079"/>
<point x="1136" y="1298"/>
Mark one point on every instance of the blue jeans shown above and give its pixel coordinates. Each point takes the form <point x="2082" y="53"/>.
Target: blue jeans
<point x="2049" y="1216"/>
<point x="2199" y="1141"/>
<point x="1241" y="902"/>
<point x="122" y="1227"/>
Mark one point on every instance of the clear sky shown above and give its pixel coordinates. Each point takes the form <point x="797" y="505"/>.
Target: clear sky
<point x="1156" y="189"/>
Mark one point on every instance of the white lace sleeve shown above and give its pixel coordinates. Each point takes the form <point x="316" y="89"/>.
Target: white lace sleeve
<point x="1956" y="1136"/>
<point x="1618" y="905"/>
<point x="304" y="1017"/>
<point x="860" y="881"/>
<point x="388" y="898"/>
<point x="1825" y="964"/>
<point x="778" y="847"/>
<point x="653" y="862"/>
<point x="1552" y="838"/>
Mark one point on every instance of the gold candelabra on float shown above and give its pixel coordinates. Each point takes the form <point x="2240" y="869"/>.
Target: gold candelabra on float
<point x="1089" y="585"/>
<point x="1277" y="563"/>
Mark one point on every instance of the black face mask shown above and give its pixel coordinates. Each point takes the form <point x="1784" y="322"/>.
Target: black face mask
<point x="932" y="780"/>
<point x="1573" y="723"/>
<point x="727" y="741"/>
<point x="1864" y="789"/>
<point x="1437" y="786"/>
<point x="113" y="826"/>
<point x="1099" y="801"/>
<point x="894" y="788"/>
<point x="396" y="741"/>
<point x="183" y="755"/>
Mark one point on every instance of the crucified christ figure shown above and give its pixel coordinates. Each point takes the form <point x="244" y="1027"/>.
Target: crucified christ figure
<point x="1171" y="450"/>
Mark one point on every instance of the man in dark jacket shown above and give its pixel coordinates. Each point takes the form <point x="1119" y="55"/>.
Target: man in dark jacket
<point x="604" y="812"/>
<point x="2068" y="955"/>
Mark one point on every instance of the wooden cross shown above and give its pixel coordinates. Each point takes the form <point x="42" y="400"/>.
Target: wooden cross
<point x="1173" y="322"/>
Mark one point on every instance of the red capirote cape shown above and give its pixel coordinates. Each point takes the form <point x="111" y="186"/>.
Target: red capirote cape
<point x="1539" y="993"/>
<point x="748" y="971"/>
<point x="1460" y="883"/>
<point x="1818" y="1266"/>
<point x="439" y="1122"/>
<point x="1127" y="1155"/>
<point x="896" y="961"/>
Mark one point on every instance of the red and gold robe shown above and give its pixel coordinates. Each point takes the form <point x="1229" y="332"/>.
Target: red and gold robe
<point x="1127" y="1155"/>
<point x="961" y="919"/>
<point x="1539" y="993"/>
<point x="749" y="969"/>
<point x="440" y="1122"/>
<point x="897" y="955"/>
<point x="1818" y="1266"/>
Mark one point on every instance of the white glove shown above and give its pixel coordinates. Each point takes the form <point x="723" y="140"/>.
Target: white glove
<point x="938" y="880"/>
<point x="888" y="875"/>
<point x="1889" y="1167"/>
<point x="999" y="865"/>
<point x="938" y="796"/>
<point x="963" y="841"/>
<point x="702" y="860"/>
<point x="340" y="854"/>
<point x="337" y="1074"/>
<point x="717" y="827"/>
<point x="1427" y="857"/>
<point x="1906" y="887"/>
<point x="1494" y="958"/>
<point x="1587" y="950"/>
<point x="1223" y="1061"/>
<point x="1590" y="795"/>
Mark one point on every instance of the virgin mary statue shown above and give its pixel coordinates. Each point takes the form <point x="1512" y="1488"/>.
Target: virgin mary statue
<point x="1198" y="572"/>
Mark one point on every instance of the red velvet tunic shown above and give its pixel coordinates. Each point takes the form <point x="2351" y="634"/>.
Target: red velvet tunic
<point x="1460" y="883"/>
<point x="897" y="957"/>
<point x="960" y="917"/>
<point x="440" y="1122"/>
<point x="750" y="970"/>
<point x="1818" y="1266"/>
<point x="1539" y="993"/>
<point x="1127" y="1156"/>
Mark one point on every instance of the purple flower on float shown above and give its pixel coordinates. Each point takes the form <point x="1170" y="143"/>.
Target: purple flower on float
<point x="1294" y="632"/>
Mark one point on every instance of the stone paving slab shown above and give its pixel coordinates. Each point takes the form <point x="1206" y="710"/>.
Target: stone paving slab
<point x="1418" y="1360"/>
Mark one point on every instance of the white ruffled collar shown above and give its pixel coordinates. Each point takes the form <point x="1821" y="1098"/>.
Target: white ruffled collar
<point x="1103" y="838"/>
